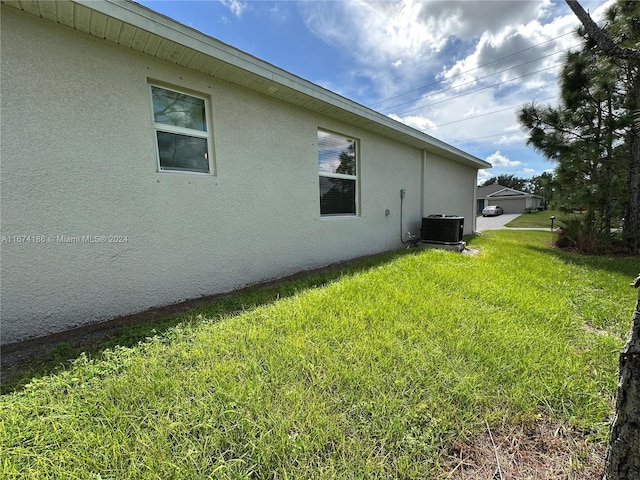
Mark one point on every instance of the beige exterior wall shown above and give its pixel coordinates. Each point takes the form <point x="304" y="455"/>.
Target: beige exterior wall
<point x="449" y="188"/>
<point x="79" y="162"/>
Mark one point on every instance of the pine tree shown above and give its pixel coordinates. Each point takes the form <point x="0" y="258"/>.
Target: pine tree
<point x="591" y="134"/>
<point x="619" y="42"/>
<point x="581" y="135"/>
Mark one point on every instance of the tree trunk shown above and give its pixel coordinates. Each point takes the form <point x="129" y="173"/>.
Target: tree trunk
<point x="632" y="221"/>
<point x="608" y="173"/>
<point x="623" y="452"/>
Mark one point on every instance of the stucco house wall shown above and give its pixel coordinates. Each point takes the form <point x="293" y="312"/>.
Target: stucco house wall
<point x="449" y="189"/>
<point x="109" y="235"/>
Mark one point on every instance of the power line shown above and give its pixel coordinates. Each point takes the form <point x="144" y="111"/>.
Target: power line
<point x="486" y="113"/>
<point x="481" y="138"/>
<point x="472" y="69"/>
<point x="479" y="89"/>
<point x="478" y="79"/>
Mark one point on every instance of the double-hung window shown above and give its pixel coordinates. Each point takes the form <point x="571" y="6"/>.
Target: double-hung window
<point x="337" y="166"/>
<point x="182" y="132"/>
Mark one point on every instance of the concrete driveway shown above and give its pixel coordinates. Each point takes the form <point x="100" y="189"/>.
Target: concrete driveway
<point x="494" y="223"/>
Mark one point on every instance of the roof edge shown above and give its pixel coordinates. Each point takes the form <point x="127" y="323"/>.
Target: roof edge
<point x="148" y="20"/>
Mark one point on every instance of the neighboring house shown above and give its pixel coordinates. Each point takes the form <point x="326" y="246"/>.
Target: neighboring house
<point x="145" y="163"/>
<point x="512" y="201"/>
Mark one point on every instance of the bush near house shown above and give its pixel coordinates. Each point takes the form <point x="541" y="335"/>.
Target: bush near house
<point x="372" y="374"/>
<point x="576" y="232"/>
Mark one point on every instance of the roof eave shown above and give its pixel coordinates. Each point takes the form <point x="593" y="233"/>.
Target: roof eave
<point x="192" y="49"/>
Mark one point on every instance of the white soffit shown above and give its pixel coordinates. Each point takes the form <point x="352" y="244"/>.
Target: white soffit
<point x="141" y="29"/>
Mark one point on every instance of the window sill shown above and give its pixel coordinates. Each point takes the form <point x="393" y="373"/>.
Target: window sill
<point x="187" y="172"/>
<point x="339" y="217"/>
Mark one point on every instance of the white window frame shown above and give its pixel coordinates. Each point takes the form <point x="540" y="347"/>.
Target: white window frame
<point x="166" y="128"/>
<point x="355" y="177"/>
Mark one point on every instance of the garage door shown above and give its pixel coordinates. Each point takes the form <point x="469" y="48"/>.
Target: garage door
<point x="510" y="205"/>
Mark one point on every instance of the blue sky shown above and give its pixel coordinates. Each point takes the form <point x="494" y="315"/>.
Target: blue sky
<point x="455" y="69"/>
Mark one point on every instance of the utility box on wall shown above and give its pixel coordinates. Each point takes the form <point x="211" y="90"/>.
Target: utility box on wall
<point x="439" y="228"/>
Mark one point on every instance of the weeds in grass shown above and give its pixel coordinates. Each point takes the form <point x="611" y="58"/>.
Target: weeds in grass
<point x="372" y="375"/>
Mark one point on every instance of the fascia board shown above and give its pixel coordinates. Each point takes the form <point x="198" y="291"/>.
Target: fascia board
<point x="500" y="193"/>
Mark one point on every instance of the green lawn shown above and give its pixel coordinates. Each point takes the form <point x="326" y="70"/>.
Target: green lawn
<point x="369" y="373"/>
<point x="537" y="219"/>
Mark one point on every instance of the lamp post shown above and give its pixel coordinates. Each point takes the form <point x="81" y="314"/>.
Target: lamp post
<point x="552" y="220"/>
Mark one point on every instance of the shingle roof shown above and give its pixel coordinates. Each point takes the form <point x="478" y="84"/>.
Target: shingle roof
<point x="489" y="189"/>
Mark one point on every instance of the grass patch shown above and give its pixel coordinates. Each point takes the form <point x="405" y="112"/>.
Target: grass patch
<point x="371" y="374"/>
<point x="536" y="219"/>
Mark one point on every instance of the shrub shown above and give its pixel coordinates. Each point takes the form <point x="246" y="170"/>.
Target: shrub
<point x="588" y="237"/>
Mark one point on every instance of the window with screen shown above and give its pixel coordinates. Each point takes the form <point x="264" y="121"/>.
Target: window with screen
<point x="182" y="132"/>
<point x="338" y="167"/>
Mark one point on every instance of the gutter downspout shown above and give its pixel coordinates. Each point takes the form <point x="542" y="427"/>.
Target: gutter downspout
<point x="422" y="183"/>
<point x="474" y="212"/>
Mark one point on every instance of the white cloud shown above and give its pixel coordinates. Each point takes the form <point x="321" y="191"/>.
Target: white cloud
<point x="497" y="159"/>
<point x="515" y="51"/>
<point x="430" y="40"/>
<point x="484" y="175"/>
<point x="279" y="12"/>
<point x="511" y="139"/>
<point x="237" y="7"/>
<point x="418" y="32"/>
<point x="476" y="116"/>
<point x="416" y="121"/>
